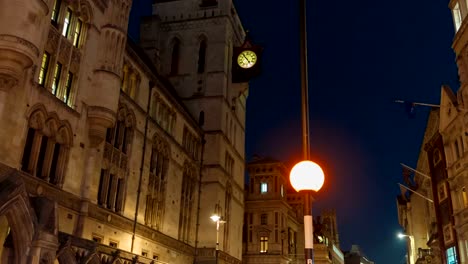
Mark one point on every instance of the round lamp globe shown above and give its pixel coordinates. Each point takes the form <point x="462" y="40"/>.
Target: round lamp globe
<point x="307" y="176"/>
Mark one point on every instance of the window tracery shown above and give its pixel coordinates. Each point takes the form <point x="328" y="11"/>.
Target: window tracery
<point x="164" y="115"/>
<point x="114" y="168"/>
<point x="62" y="52"/>
<point x="156" y="194"/>
<point x="190" y="143"/>
<point x="186" y="201"/>
<point x="47" y="146"/>
<point x="227" y="215"/>
<point x="130" y="80"/>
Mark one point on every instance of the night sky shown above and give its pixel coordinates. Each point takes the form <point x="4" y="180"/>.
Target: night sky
<point x="362" y="56"/>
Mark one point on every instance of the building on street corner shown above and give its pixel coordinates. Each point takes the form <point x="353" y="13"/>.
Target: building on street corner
<point x="115" y="150"/>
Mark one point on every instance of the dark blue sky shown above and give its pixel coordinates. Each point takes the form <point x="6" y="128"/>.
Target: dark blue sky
<point x="362" y="56"/>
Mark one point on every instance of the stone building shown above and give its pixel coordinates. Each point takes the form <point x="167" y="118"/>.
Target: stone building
<point x="103" y="156"/>
<point x="356" y="256"/>
<point x="274" y="224"/>
<point x="416" y="213"/>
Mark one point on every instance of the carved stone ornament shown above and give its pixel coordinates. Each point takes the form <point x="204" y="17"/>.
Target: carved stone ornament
<point x="7" y="82"/>
<point x="100" y="119"/>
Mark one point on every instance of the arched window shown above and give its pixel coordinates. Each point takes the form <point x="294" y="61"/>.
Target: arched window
<point x="186" y="202"/>
<point x="227" y="214"/>
<point x="202" y="57"/>
<point x="47" y="146"/>
<point x="115" y="161"/>
<point x="464" y="198"/>
<point x="175" y="57"/>
<point x="156" y="195"/>
<point x="436" y="156"/>
<point x="130" y="80"/>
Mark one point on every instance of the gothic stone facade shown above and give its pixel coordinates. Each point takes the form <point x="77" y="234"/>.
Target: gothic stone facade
<point x="101" y="151"/>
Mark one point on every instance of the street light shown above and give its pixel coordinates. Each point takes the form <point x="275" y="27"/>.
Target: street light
<point x="306" y="176"/>
<point x="412" y="246"/>
<point x="216" y="217"/>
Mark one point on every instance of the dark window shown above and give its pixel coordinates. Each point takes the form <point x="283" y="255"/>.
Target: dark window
<point x="264" y="219"/>
<point x="109" y="192"/>
<point x="53" y="166"/>
<point x="175" y="57"/>
<point x="100" y="190"/>
<point x="202" y="57"/>
<point x="28" y="149"/>
<point x="41" y="158"/>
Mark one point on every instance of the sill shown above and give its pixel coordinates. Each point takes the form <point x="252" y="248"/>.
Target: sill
<point x="54" y="23"/>
<point x="44" y="90"/>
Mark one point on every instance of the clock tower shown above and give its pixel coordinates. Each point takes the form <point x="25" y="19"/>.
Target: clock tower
<point x="192" y="44"/>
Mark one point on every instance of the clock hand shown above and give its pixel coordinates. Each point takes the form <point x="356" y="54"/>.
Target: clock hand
<point x="246" y="57"/>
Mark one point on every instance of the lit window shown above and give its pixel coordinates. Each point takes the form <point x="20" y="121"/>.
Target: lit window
<point x="55" y="12"/>
<point x="457" y="18"/>
<point x="55" y="83"/>
<point x="282" y="190"/>
<point x="263" y="187"/>
<point x="66" y="23"/>
<point x="465" y="198"/>
<point x="451" y="256"/>
<point x="44" y="68"/>
<point x="76" y="39"/>
<point x="263" y="244"/>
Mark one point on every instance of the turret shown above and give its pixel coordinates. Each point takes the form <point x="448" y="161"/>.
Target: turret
<point x="103" y="96"/>
<point x="20" y="38"/>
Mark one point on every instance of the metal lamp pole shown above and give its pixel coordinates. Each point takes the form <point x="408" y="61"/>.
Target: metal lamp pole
<point x="217" y="240"/>
<point x="217" y="218"/>
<point x="308" y="223"/>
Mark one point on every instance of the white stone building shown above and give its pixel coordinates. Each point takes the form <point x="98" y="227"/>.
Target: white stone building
<point x="102" y="154"/>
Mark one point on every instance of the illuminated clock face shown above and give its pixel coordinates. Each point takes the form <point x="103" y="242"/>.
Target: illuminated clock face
<point x="247" y="59"/>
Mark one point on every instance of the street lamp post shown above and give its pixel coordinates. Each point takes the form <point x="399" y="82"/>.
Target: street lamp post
<point x="216" y="217"/>
<point x="306" y="176"/>
<point x="412" y="251"/>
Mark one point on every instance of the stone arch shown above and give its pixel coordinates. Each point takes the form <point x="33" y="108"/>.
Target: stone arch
<point x="15" y="206"/>
<point x="37" y="116"/>
<point x="47" y="143"/>
<point x="124" y="113"/>
<point x="52" y="124"/>
<point x="161" y="145"/>
<point x="66" y="256"/>
<point x="93" y="259"/>
<point x="86" y="11"/>
<point x="65" y="133"/>
<point x="117" y="261"/>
